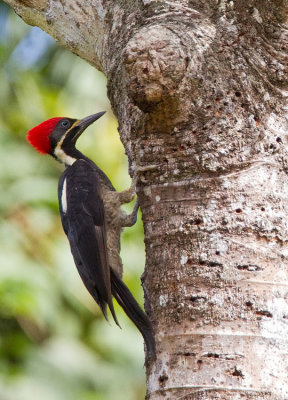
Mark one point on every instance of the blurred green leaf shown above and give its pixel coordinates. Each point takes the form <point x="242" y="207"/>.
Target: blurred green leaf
<point x="54" y="342"/>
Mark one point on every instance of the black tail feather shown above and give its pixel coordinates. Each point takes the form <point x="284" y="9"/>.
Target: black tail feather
<point x="110" y="304"/>
<point x="126" y="300"/>
<point x="102" y="302"/>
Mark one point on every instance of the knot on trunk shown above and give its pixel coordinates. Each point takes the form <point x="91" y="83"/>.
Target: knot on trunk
<point x="155" y="62"/>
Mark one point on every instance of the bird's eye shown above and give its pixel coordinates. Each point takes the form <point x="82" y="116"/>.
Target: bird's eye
<point x="65" y="123"/>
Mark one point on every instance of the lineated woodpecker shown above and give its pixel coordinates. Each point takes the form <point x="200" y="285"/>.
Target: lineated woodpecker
<point x="91" y="218"/>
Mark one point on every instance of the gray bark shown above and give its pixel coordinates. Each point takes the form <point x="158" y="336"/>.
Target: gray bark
<point x="200" y="91"/>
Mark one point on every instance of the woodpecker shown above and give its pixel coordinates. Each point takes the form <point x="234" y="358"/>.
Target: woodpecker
<point x="92" y="219"/>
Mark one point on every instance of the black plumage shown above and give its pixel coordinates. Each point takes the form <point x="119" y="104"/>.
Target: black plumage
<point x="83" y="219"/>
<point x="92" y="220"/>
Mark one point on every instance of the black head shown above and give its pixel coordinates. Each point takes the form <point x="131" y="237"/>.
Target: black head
<point x="58" y="136"/>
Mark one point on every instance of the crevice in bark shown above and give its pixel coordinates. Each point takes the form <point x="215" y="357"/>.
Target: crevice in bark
<point x="264" y="313"/>
<point x="236" y="372"/>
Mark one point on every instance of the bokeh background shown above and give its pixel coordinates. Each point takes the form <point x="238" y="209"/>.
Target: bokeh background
<point x="54" y="342"/>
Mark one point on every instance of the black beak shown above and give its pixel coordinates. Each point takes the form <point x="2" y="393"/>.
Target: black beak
<point x="85" y="122"/>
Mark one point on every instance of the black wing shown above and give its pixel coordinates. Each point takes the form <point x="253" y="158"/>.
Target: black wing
<point x="83" y="219"/>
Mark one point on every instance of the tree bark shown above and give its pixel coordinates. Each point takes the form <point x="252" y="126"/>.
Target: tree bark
<point x="200" y="91"/>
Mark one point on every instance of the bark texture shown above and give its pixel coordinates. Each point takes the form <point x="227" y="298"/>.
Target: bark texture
<point x="200" y="91"/>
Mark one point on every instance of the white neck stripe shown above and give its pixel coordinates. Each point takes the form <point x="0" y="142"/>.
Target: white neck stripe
<point x="63" y="157"/>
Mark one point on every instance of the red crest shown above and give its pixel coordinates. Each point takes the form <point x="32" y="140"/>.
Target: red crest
<point x="38" y="136"/>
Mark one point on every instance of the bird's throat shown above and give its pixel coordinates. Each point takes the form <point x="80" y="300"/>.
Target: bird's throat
<point x="63" y="157"/>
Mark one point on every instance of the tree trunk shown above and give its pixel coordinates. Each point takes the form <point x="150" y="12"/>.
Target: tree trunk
<point x="200" y="91"/>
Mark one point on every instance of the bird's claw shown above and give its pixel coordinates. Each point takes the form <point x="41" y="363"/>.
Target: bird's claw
<point x="137" y="173"/>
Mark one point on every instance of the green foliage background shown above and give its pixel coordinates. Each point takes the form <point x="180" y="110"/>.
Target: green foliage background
<point x="54" y="343"/>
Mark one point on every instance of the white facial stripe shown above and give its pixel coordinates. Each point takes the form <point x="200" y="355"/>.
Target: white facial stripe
<point x="60" y="154"/>
<point x="66" y="133"/>
<point x="64" y="197"/>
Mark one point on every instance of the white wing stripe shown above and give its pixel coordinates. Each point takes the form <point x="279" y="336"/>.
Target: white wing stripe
<point x="64" y="197"/>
